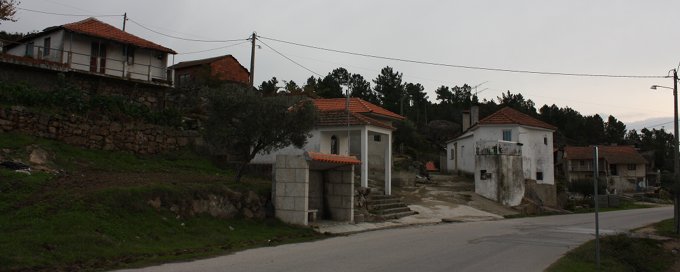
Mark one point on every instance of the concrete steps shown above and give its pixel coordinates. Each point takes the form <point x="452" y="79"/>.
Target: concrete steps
<point x="388" y="207"/>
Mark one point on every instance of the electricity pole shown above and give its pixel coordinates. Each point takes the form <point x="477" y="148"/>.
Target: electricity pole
<point x="676" y="150"/>
<point x="124" y="20"/>
<point x="252" y="61"/>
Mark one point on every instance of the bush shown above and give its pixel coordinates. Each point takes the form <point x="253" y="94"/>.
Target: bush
<point x="68" y="99"/>
<point x="585" y="187"/>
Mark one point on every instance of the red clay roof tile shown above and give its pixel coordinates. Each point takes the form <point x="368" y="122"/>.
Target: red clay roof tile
<point x="613" y="154"/>
<point x="96" y="28"/>
<point x="509" y="115"/>
<point x="330" y="158"/>
<point x="357" y="105"/>
<point x="339" y="118"/>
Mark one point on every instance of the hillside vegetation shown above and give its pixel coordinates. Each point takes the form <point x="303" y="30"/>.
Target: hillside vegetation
<point x="89" y="210"/>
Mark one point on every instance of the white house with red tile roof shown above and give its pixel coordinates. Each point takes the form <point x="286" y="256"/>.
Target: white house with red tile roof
<point x="364" y="132"/>
<point x="622" y="166"/>
<point x="93" y="46"/>
<point x="522" y="139"/>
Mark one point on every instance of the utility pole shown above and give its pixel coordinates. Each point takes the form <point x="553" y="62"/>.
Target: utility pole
<point x="676" y="150"/>
<point x="124" y="20"/>
<point x="596" y="200"/>
<point x="252" y="61"/>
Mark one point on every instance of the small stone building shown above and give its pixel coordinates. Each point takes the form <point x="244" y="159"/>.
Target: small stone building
<point x="314" y="186"/>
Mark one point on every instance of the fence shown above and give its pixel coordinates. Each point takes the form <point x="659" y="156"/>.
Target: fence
<point x="125" y="66"/>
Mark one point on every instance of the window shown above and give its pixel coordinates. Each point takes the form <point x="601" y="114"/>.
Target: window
<point x="334" y="145"/>
<point x="29" y="49"/>
<point x="612" y="170"/>
<point x="631" y="167"/>
<point x="539" y="175"/>
<point x="129" y="52"/>
<point x="582" y="163"/>
<point x="376" y="138"/>
<point x="507" y="135"/>
<point x="47" y="43"/>
<point x="545" y="140"/>
<point x="453" y="154"/>
<point x="183" y="79"/>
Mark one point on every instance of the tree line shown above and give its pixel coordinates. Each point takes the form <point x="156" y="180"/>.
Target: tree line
<point x="431" y="122"/>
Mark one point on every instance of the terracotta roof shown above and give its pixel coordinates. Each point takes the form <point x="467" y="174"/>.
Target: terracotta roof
<point x="339" y="118"/>
<point x="96" y="28"/>
<point x="357" y="105"/>
<point x="330" y="158"/>
<point x="190" y="63"/>
<point x="509" y="115"/>
<point x="613" y="154"/>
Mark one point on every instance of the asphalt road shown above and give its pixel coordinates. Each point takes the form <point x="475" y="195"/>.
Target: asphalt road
<point x="524" y="244"/>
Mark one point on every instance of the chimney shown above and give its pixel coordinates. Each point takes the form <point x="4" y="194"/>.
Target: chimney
<point x="474" y="115"/>
<point x="465" y="123"/>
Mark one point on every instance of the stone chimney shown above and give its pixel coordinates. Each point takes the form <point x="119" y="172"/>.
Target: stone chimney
<point x="465" y="123"/>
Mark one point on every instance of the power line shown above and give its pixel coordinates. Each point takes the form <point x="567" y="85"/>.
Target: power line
<point x="658" y="125"/>
<point x="67" y="14"/>
<point x="182" y="38"/>
<point x="206" y="50"/>
<point x="463" y="66"/>
<point x="291" y="60"/>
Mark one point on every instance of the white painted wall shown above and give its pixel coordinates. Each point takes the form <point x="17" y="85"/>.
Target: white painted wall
<point x="537" y="156"/>
<point x="147" y="64"/>
<point x="56" y="47"/>
<point x="313" y="144"/>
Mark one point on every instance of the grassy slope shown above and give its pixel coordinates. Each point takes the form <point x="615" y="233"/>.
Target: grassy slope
<point x="617" y="253"/>
<point x="65" y="223"/>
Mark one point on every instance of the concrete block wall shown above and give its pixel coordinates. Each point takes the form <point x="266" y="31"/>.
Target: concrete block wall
<point x="291" y="189"/>
<point x="339" y="190"/>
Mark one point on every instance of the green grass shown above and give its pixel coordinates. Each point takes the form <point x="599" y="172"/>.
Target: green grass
<point x="75" y="158"/>
<point x="625" y="205"/>
<point x="618" y="253"/>
<point x="49" y="226"/>
<point x="665" y="228"/>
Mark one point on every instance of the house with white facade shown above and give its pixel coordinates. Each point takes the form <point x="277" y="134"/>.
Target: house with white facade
<point x="364" y="131"/>
<point x="92" y="46"/>
<point x="503" y="151"/>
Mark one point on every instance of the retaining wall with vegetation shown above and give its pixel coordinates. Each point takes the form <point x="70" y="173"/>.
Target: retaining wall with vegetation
<point x="96" y="132"/>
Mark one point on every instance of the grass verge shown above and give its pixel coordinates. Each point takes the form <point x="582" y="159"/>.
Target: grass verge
<point x="94" y="214"/>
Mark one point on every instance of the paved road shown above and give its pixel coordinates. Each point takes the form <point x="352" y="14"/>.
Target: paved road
<point x="524" y="244"/>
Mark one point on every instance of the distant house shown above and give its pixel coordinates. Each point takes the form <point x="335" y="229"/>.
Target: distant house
<point x="502" y="151"/>
<point x="369" y="128"/>
<point x="623" y="167"/>
<point x="96" y="47"/>
<point x="223" y="68"/>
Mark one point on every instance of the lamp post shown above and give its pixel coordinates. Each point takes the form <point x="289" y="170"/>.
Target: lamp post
<point x="676" y="151"/>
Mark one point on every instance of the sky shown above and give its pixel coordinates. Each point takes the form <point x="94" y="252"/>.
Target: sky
<point x="611" y="37"/>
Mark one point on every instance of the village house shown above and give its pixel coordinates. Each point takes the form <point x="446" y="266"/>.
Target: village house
<point x="95" y="47"/>
<point x="623" y="167"/>
<point x="503" y="152"/>
<point x="364" y="132"/>
<point x="223" y="69"/>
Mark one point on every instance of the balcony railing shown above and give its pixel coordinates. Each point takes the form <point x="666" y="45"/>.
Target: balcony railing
<point x="499" y="148"/>
<point x="119" y="67"/>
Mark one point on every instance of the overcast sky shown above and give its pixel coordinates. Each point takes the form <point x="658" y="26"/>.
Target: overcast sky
<point x="571" y="36"/>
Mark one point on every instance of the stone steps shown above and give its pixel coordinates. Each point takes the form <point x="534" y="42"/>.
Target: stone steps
<point x="388" y="207"/>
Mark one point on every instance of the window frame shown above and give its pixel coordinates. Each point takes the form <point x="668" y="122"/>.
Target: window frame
<point x="506" y="132"/>
<point x="47" y="44"/>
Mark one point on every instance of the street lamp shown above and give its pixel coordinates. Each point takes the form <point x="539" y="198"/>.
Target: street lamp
<point x="676" y="151"/>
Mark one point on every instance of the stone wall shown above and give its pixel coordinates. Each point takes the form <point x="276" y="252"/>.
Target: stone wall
<point x="291" y="189"/>
<point x="226" y="205"/>
<point x="339" y="192"/>
<point x="96" y="133"/>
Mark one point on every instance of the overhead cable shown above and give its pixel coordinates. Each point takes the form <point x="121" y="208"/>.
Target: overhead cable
<point x="462" y="66"/>
<point x="291" y="60"/>
<point x="213" y="49"/>
<point x="67" y="14"/>
<point x="182" y="38"/>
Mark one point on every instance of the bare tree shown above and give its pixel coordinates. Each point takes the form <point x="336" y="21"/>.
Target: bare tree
<point x="7" y="10"/>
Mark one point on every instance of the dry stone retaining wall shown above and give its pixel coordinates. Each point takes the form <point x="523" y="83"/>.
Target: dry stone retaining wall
<point x="96" y="133"/>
